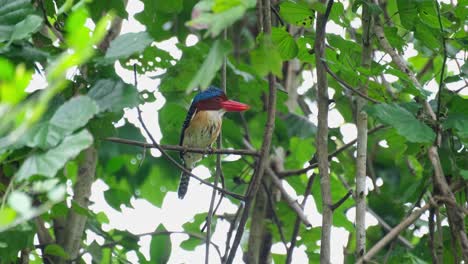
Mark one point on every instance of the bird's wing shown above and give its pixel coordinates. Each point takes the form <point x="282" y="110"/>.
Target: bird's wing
<point x="188" y="118"/>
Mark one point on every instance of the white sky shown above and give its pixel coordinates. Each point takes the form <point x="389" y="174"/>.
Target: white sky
<point x="144" y="217"/>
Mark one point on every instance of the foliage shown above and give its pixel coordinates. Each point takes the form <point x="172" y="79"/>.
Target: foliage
<point x="44" y="132"/>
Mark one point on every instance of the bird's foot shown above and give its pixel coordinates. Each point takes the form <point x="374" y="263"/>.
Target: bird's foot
<point x="209" y="150"/>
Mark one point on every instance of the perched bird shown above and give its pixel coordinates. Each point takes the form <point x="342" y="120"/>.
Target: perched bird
<point x="202" y="126"/>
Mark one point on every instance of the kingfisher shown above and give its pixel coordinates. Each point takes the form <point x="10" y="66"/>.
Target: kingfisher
<point x="202" y="126"/>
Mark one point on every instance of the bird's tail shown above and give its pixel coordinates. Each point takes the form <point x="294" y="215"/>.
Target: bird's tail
<point x="183" y="184"/>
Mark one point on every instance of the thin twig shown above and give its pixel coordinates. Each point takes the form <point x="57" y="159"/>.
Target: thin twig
<point x="231" y="230"/>
<point x="342" y="200"/>
<point x="205" y="151"/>
<point x="297" y="223"/>
<point x="218" y="168"/>
<point x="276" y="219"/>
<point x="346" y="85"/>
<point x="287" y="173"/>
<point x="442" y="72"/>
<point x="277" y="15"/>
<point x="289" y="200"/>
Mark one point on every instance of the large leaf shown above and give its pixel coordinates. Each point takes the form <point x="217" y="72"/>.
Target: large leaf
<point x="194" y="227"/>
<point x="266" y="58"/>
<point x="29" y="25"/>
<point x="113" y="95"/>
<point x="211" y="65"/>
<point x="69" y="117"/>
<point x="164" y="19"/>
<point x="164" y="177"/>
<point x="285" y="43"/>
<point x="299" y="126"/>
<point x="14" y="21"/>
<point x="403" y="121"/>
<point x="160" y="247"/>
<point x="297" y="13"/>
<point x="14" y="240"/>
<point x="126" y="45"/>
<point x="407" y="9"/>
<point x="48" y="163"/>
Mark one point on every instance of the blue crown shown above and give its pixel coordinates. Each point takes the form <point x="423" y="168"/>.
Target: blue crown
<point x="211" y="92"/>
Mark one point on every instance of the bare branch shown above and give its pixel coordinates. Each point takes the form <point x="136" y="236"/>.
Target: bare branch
<point x="456" y="216"/>
<point x="265" y="150"/>
<point x="404" y="224"/>
<point x="346" y="85"/>
<point x="205" y="151"/>
<point x="342" y="200"/>
<point x="393" y="233"/>
<point x="293" y="204"/>
<point x="297" y="223"/>
<point x="322" y="133"/>
<point x="361" y="124"/>
<point x="75" y="223"/>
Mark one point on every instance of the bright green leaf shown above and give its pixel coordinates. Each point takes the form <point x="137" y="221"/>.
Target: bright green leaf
<point x="284" y="42"/>
<point x="266" y="58"/>
<point x="7" y="215"/>
<point x="407" y="9"/>
<point x="55" y="250"/>
<point x="160" y="247"/>
<point x="297" y="13"/>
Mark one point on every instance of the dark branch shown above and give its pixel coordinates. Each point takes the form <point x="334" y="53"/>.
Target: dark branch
<point x="342" y="200"/>
<point x="184" y="149"/>
<point x="345" y="84"/>
<point x="297" y="223"/>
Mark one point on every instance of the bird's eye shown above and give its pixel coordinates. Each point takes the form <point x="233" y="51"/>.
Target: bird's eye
<point x="218" y="99"/>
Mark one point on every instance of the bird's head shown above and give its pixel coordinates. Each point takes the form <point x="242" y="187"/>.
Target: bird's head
<point x="215" y="99"/>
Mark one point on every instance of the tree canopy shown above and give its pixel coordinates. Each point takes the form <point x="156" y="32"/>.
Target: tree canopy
<point x="357" y="108"/>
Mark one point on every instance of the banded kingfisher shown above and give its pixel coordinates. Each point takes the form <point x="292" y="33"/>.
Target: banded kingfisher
<point x="202" y="126"/>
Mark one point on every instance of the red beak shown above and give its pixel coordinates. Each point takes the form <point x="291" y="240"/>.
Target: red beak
<point x="233" y="106"/>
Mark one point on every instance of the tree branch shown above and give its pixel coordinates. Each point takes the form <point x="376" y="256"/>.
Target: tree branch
<point x="75" y="223"/>
<point x="403" y="225"/>
<point x="346" y="85"/>
<point x="289" y="200"/>
<point x="297" y="223"/>
<point x="361" y="124"/>
<point x="204" y="151"/>
<point x="322" y="133"/>
<point x="265" y="150"/>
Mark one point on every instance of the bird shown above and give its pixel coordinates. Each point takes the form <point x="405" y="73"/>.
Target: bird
<point x="202" y="126"/>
